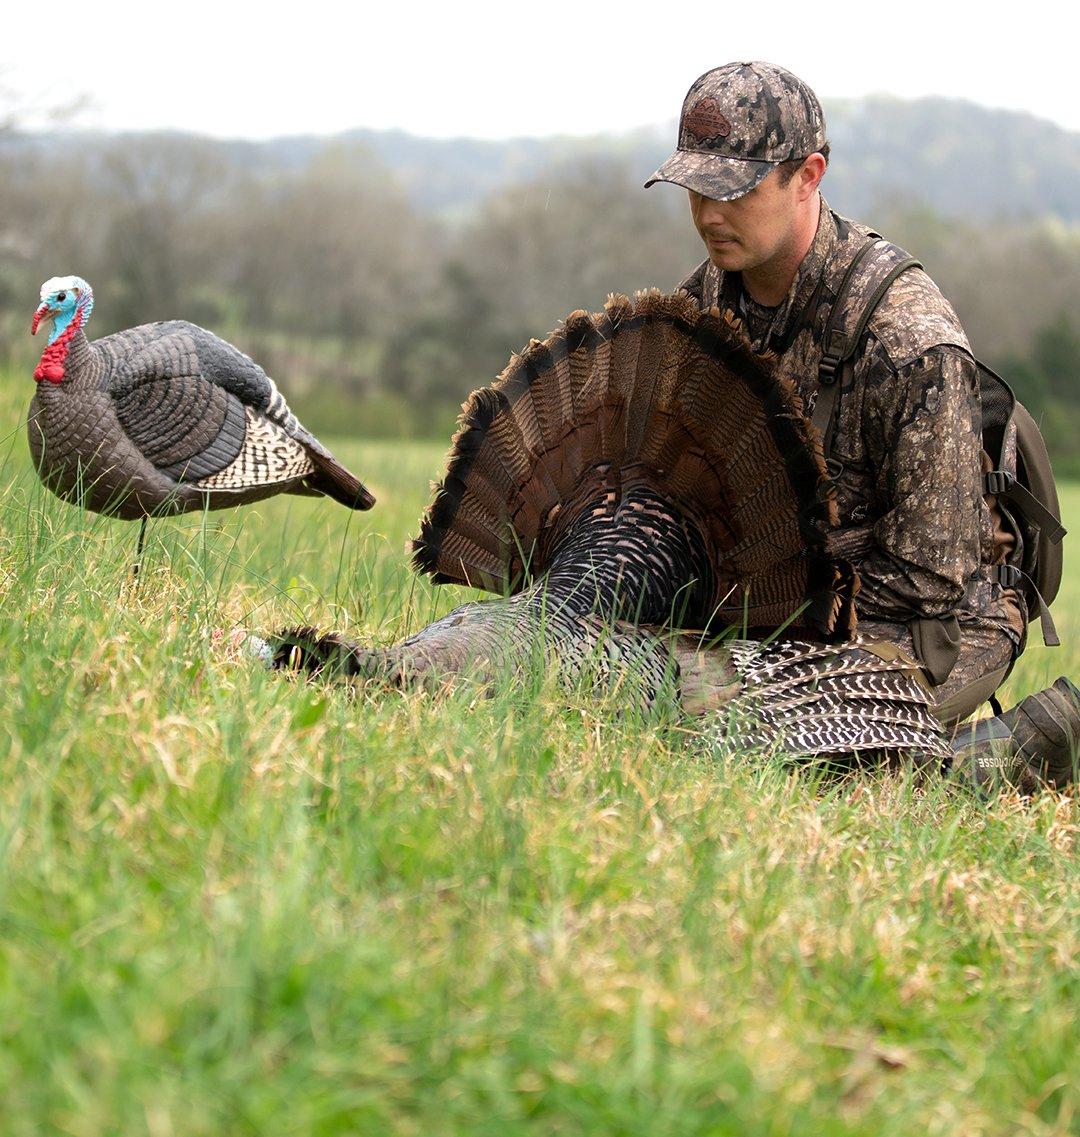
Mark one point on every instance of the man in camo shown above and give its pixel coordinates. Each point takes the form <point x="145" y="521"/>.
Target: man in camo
<point x="906" y="445"/>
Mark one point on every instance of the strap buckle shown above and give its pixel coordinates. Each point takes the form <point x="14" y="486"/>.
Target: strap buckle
<point x="998" y="482"/>
<point x="827" y="368"/>
<point x="1008" y="576"/>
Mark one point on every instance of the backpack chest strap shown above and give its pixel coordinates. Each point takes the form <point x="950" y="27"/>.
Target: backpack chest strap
<point x="867" y="278"/>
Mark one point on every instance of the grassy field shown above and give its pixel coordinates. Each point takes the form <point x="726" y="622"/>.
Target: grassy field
<point x="232" y="904"/>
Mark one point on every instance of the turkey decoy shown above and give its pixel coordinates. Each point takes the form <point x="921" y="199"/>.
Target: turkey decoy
<point x="653" y="498"/>
<point x="165" y="418"/>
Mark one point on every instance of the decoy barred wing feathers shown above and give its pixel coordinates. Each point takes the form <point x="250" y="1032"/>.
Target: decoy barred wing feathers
<point x="168" y="417"/>
<point x="177" y="349"/>
<point x="203" y="412"/>
<point x="207" y="415"/>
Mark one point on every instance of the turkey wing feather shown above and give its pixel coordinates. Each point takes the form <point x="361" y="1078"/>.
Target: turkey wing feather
<point x="185" y="426"/>
<point x="184" y="395"/>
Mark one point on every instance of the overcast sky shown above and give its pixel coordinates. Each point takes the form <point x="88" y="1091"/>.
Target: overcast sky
<point x="497" y="70"/>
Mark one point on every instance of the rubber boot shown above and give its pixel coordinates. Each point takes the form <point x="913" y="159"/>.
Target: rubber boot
<point x="1034" y="745"/>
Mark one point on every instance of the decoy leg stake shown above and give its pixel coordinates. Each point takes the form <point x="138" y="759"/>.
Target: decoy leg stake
<point x="139" y="549"/>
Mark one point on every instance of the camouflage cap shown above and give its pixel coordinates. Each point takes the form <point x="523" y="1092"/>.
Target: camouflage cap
<point x="738" y="122"/>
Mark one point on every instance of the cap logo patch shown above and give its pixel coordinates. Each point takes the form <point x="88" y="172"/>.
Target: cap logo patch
<point x="705" y="121"/>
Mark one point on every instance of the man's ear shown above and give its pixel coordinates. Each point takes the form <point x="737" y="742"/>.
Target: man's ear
<point x="810" y="174"/>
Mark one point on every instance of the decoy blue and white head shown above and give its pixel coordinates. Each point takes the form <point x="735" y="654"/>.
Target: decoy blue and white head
<point x="64" y="299"/>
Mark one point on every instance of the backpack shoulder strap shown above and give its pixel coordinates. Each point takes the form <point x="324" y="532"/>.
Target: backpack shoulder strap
<point x="867" y="278"/>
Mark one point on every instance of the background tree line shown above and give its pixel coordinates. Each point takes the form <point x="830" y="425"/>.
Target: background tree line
<point x="378" y="300"/>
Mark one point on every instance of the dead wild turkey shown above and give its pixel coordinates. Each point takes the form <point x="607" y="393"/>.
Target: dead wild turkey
<point x="646" y="489"/>
<point x="165" y="418"/>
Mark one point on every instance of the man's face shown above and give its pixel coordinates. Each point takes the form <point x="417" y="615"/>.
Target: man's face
<point x="752" y="230"/>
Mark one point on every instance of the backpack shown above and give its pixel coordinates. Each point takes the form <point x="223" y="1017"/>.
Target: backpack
<point x="1024" y="487"/>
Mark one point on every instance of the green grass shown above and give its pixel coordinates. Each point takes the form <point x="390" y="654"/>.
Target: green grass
<point x="233" y="904"/>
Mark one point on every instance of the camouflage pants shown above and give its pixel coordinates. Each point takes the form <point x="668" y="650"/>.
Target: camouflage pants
<point x="986" y="657"/>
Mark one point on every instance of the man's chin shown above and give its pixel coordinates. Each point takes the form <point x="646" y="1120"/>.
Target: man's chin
<point x="725" y="254"/>
<point x="728" y="256"/>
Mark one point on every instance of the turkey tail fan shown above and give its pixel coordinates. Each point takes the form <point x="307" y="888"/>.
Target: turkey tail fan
<point x="331" y="478"/>
<point x="648" y="392"/>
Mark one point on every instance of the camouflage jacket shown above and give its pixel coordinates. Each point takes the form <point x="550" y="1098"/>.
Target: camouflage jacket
<point x="908" y="434"/>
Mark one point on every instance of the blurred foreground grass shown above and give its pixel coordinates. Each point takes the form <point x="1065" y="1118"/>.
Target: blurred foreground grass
<point x="231" y="904"/>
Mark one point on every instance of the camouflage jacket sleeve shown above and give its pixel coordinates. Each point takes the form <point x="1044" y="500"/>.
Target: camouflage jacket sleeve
<point x="922" y="430"/>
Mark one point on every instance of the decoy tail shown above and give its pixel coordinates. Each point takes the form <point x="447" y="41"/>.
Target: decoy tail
<point x="331" y="478"/>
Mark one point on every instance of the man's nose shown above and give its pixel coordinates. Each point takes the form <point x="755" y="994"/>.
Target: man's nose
<point x="708" y="211"/>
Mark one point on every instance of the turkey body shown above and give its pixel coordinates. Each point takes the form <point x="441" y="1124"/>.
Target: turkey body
<point x="166" y="418"/>
<point x="655" y="500"/>
<point x="610" y="616"/>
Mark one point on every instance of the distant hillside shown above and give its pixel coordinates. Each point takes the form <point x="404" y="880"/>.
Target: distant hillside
<point x="957" y="158"/>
